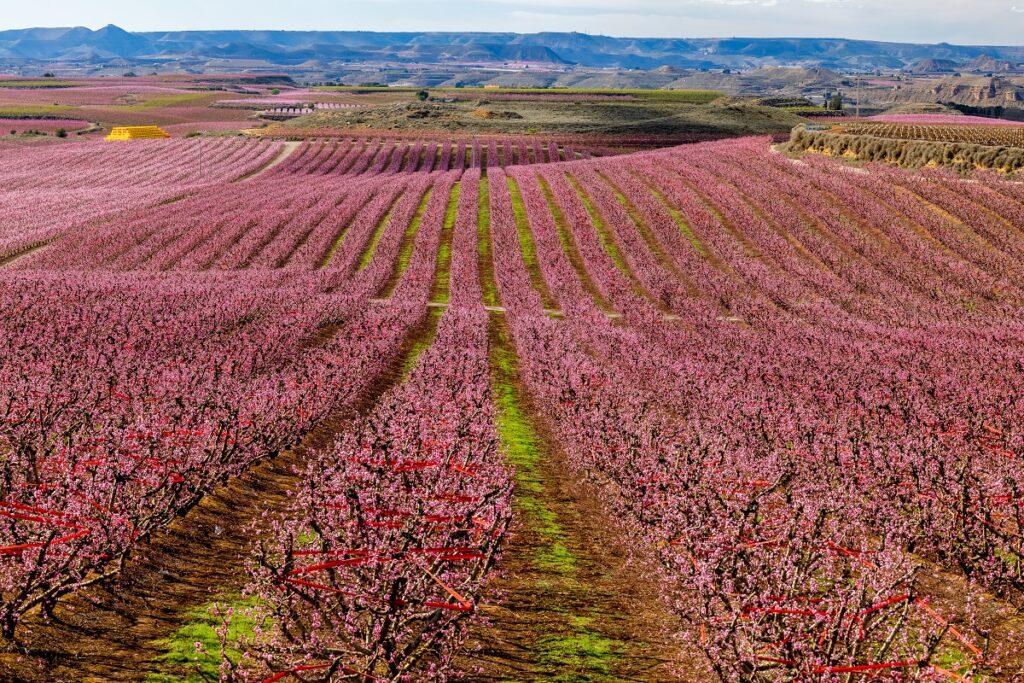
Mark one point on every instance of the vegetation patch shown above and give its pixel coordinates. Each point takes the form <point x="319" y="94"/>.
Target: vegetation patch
<point x="378" y="233"/>
<point x="194" y="651"/>
<point x="444" y="252"/>
<point x="408" y="243"/>
<point x="484" y="249"/>
<point x="527" y="246"/>
<point x="581" y="655"/>
<point x="576" y="651"/>
<point x="962" y="157"/>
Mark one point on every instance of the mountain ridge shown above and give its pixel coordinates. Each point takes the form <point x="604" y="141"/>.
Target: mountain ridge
<point x="546" y="48"/>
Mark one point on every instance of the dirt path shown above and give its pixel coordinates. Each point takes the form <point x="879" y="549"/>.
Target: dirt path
<point x="15" y="258"/>
<point x="286" y="152"/>
<point x="118" y="630"/>
<point x="571" y="603"/>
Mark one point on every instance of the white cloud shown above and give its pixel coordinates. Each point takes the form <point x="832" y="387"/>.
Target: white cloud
<point x="954" y="21"/>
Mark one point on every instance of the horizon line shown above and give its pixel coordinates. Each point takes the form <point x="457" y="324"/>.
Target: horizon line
<point x="516" y="33"/>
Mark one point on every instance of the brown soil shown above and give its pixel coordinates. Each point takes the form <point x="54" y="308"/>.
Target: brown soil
<point x="551" y="620"/>
<point x="285" y="153"/>
<point x="496" y="115"/>
<point x="609" y="587"/>
<point x="17" y="257"/>
<point x="999" y="627"/>
<point x="112" y="632"/>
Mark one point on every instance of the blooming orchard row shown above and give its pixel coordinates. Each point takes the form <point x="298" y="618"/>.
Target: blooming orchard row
<point x="395" y="527"/>
<point x="376" y="568"/>
<point x="989" y="135"/>
<point x="798" y="385"/>
<point x="126" y="398"/>
<point x="359" y="156"/>
<point x="49" y="190"/>
<point x="791" y="451"/>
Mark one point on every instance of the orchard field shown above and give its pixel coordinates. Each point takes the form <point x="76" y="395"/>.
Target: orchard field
<point x="375" y="409"/>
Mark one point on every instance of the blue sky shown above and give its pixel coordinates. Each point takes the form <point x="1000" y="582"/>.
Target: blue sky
<point x="954" y="21"/>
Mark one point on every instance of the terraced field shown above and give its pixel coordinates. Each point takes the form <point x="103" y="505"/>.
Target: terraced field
<point x="1005" y="134"/>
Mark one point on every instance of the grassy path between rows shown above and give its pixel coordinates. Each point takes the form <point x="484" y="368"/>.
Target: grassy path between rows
<point x="571" y="604"/>
<point x="142" y="626"/>
<point x="439" y="293"/>
<point x="408" y="244"/>
<point x="572" y="252"/>
<point x="609" y="243"/>
<point x="528" y="246"/>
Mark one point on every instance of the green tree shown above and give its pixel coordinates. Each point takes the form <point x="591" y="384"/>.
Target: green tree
<point x="422" y="95"/>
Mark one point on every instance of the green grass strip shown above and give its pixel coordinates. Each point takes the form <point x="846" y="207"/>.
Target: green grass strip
<point x="408" y="244"/>
<point x="203" y="665"/>
<point x="576" y="652"/>
<point x="335" y="245"/>
<point x="423" y="342"/>
<point x="165" y="101"/>
<point x="568" y="243"/>
<point x="42" y="110"/>
<point x="647" y="234"/>
<point x="680" y="221"/>
<point x="442" y="278"/>
<point x="581" y="655"/>
<point x="485" y="255"/>
<point x="43" y="84"/>
<point x="604" y="234"/>
<point x="378" y="233"/>
<point x="527" y="246"/>
<point x="522" y="446"/>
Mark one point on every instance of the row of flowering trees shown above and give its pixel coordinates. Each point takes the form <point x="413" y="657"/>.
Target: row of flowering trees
<point x="796" y="463"/>
<point x="264" y="224"/>
<point x="47" y="191"/>
<point x="375" y="156"/>
<point x="798" y="387"/>
<point x="376" y="570"/>
<point x="127" y="398"/>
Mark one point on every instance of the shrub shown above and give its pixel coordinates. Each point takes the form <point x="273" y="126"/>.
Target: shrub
<point x="962" y="157"/>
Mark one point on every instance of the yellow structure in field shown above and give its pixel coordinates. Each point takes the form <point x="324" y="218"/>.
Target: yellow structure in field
<point x="137" y="133"/>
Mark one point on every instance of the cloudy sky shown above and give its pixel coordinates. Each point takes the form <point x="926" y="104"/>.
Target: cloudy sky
<point x="955" y="21"/>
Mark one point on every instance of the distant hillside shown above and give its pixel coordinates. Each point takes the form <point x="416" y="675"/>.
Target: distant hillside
<point x="553" y="49"/>
<point x="934" y="66"/>
<point x="987" y="64"/>
<point x="972" y="91"/>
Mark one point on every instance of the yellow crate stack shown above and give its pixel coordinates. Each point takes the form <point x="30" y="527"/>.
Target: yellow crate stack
<point x="137" y="133"/>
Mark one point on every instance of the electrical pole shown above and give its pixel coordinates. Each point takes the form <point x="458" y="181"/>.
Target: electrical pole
<point x="858" y="96"/>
